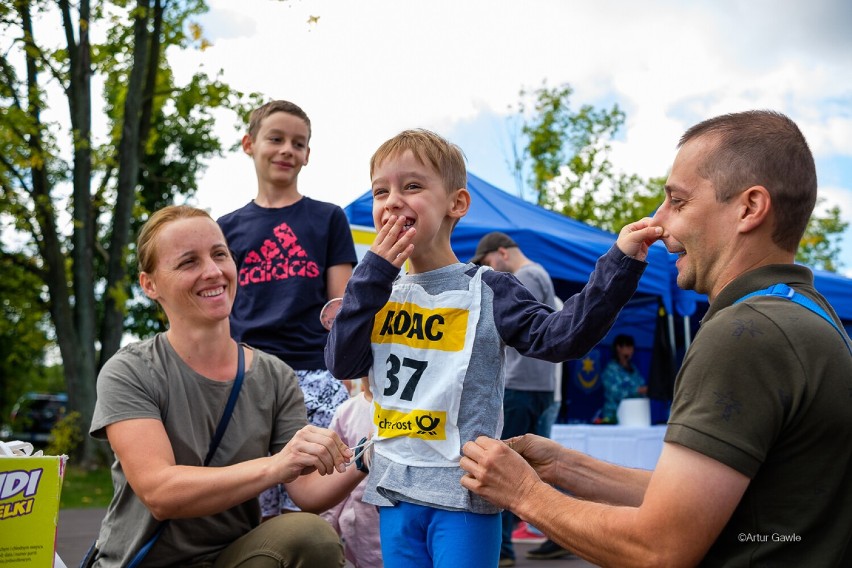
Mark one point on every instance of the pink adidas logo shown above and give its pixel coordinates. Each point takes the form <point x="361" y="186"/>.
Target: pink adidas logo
<point x="278" y="259"/>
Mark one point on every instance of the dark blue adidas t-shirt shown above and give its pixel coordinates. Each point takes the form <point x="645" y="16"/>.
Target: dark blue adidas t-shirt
<point x="282" y="256"/>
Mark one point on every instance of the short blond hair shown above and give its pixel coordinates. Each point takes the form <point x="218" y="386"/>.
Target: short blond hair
<point x="146" y="243"/>
<point x="430" y="149"/>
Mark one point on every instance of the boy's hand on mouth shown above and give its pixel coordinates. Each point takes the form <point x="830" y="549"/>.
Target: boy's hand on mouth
<point x="393" y="243"/>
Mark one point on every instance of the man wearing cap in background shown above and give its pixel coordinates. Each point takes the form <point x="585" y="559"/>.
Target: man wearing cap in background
<point x="528" y="402"/>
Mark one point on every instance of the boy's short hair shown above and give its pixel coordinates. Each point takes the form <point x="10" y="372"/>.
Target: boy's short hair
<point x="270" y="108"/>
<point x="429" y="149"/>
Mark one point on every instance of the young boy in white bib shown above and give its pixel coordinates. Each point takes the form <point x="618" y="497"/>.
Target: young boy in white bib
<point x="431" y="341"/>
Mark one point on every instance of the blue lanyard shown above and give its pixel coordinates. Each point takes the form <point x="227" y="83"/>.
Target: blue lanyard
<point x="787" y="293"/>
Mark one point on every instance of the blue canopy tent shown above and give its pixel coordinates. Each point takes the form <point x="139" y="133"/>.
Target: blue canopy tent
<point x="568" y="250"/>
<point x="837" y="290"/>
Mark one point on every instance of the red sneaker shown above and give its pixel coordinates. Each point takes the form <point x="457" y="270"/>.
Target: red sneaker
<point x="524" y="534"/>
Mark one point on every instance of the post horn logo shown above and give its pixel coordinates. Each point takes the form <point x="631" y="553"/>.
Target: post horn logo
<point x="427" y="424"/>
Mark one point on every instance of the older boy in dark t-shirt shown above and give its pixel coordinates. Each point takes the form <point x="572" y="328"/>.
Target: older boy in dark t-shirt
<point x="293" y="254"/>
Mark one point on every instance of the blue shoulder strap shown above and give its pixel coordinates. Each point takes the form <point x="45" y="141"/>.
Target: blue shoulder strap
<point x="784" y="291"/>
<point x="229" y="407"/>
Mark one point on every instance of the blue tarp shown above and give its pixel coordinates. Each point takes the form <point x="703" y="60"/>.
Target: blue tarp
<point x="837" y="290"/>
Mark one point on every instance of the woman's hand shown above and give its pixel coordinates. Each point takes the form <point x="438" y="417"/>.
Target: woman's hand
<point x="313" y="449"/>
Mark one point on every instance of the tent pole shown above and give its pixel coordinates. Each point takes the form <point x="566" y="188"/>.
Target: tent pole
<point x="670" y="321"/>
<point x="687" y="333"/>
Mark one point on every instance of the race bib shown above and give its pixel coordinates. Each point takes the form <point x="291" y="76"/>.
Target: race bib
<point x="422" y="345"/>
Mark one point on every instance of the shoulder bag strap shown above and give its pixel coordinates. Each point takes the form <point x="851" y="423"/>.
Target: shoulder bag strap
<point x="214" y="443"/>
<point x="784" y="291"/>
<point x="229" y="408"/>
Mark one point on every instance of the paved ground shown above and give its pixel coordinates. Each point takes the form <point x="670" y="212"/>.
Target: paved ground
<point x="78" y="528"/>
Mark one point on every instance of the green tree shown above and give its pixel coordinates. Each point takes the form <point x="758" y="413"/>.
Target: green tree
<point x="77" y="208"/>
<point x="820" y="246"/>
<point x="564" y="156"/>
<point x="24" y="330"/>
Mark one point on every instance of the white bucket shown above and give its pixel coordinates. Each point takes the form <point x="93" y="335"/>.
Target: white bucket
<point x="634" y="412"/>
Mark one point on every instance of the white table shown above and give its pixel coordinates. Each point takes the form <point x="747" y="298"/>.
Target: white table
<point x="629" y="446"/>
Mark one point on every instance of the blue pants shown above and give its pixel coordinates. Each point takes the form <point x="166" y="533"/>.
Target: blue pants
<point x="524" y="412"/>
<point x="414" y="536"/>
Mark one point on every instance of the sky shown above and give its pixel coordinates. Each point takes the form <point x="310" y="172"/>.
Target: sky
<point x="364" y="70"/>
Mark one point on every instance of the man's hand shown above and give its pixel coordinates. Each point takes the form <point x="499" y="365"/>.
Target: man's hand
<point x="635" y="238"/>
<point x="541" y="453"/>
<point x="496" y="472"/>
<point x="388" y="243"/>
<point x="313" y="449"/>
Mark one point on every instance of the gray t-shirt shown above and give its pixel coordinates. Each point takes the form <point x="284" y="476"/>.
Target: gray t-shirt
<point x="149" y="380"/>
<point x="526" y="373"/>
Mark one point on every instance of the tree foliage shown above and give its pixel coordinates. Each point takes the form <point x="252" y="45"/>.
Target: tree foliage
<point x="820" y="245"/>
<point x="565" y="159"/>
<point x="564" y="156"/>
<point x="75" y="200"/>
<point x="24" y="332"/>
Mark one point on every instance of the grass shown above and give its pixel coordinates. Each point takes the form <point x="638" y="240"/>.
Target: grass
<point x="83" y="489"/>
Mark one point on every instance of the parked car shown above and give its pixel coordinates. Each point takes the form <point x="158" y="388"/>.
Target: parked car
<point x="34" y="416"/>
